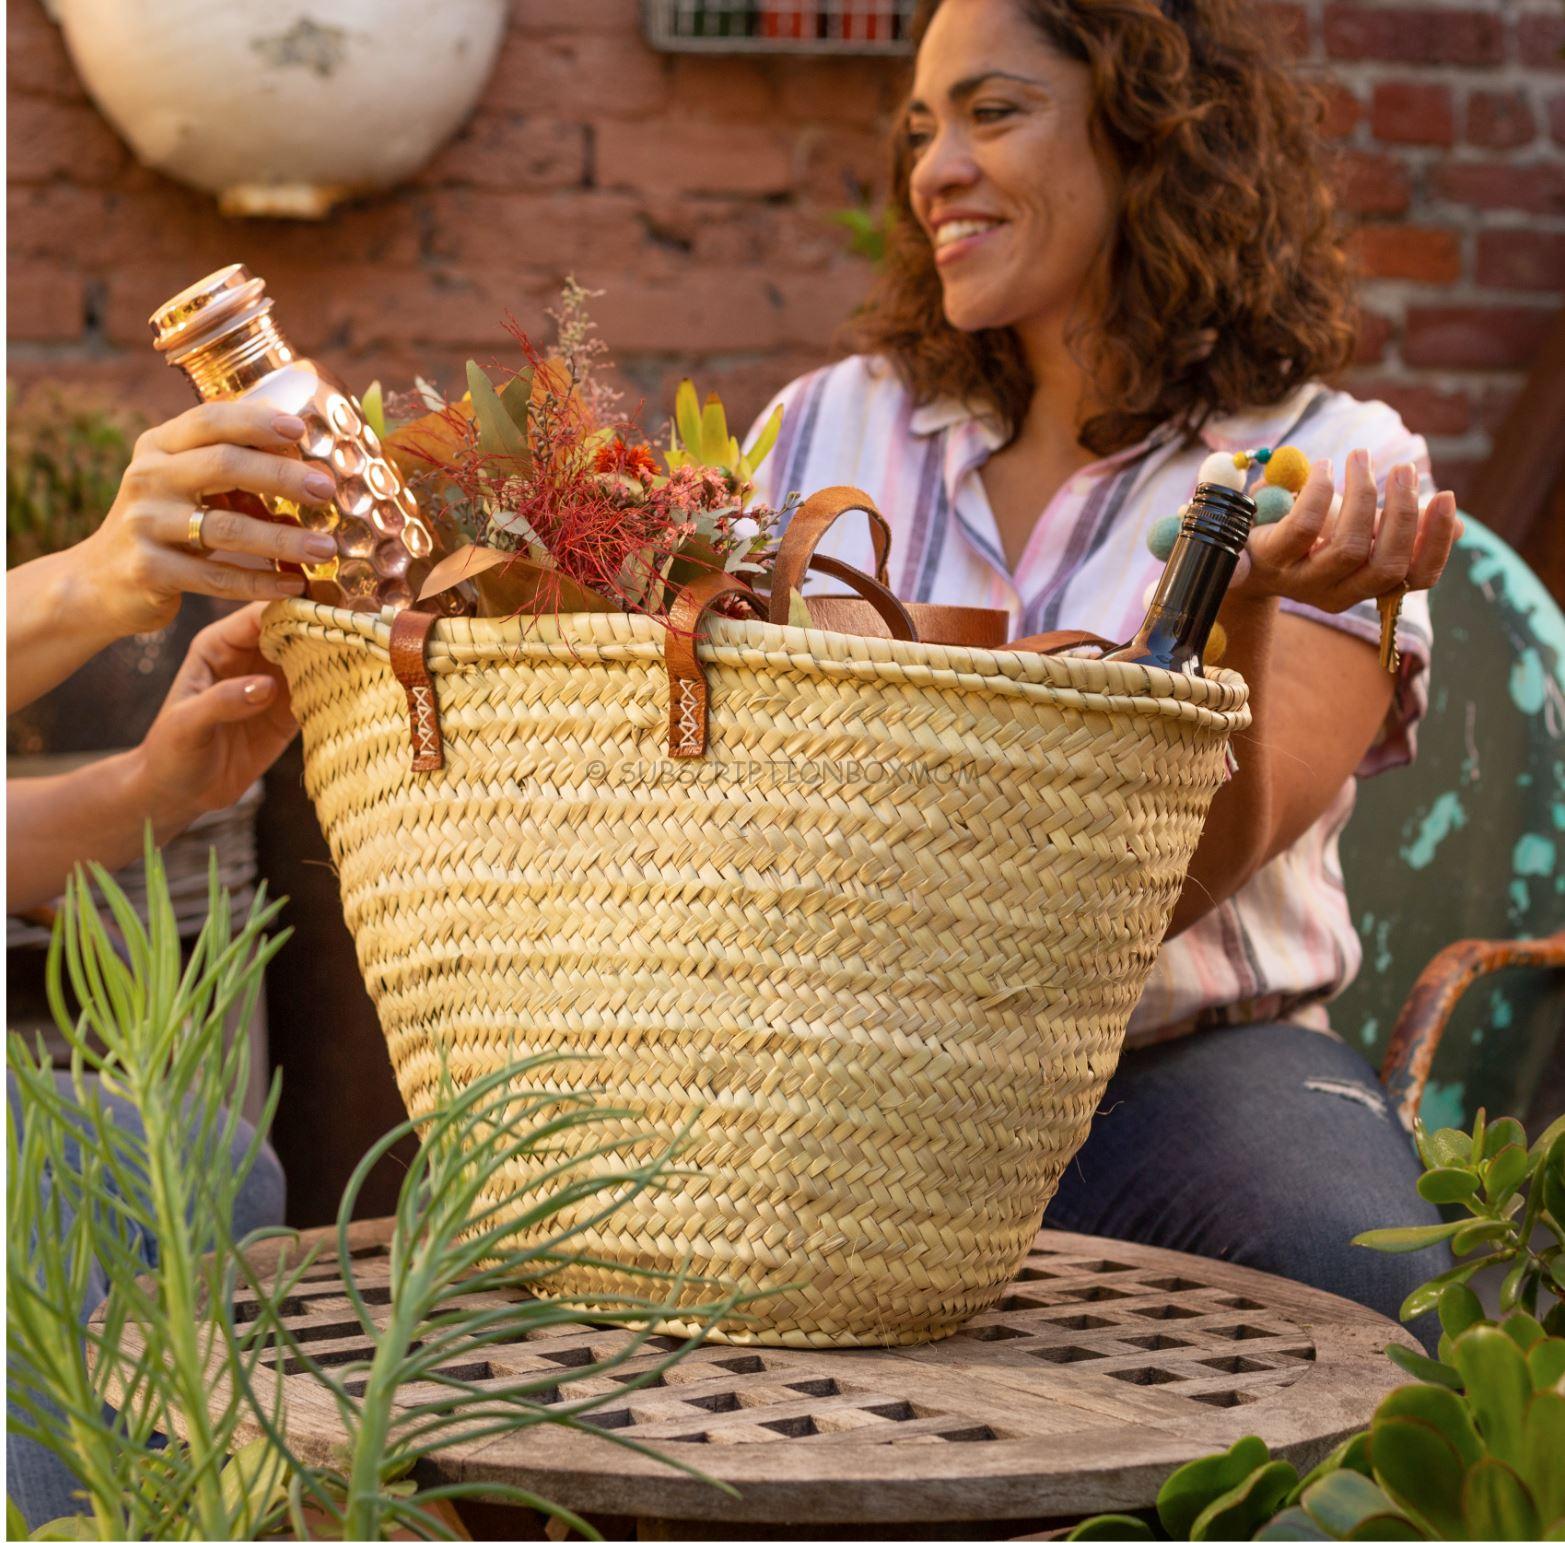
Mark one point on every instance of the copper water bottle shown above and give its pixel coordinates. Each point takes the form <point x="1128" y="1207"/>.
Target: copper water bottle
<point x="221" y="333"/>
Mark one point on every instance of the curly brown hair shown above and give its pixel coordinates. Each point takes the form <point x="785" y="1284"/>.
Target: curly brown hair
<point x="1227" y="281"/>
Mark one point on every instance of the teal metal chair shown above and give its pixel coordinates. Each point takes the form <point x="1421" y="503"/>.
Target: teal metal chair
<point x="1455" y="866"/>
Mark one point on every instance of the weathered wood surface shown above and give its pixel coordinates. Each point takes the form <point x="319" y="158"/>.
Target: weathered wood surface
<point x="1104" y="1365"/>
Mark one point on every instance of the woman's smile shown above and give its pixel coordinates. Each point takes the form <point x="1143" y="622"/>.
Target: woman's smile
<point x="957" y="236"/>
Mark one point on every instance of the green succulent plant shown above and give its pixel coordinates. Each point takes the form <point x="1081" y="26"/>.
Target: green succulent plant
<point x="83" y="1192"/>
<point x="1474" y="1447"/>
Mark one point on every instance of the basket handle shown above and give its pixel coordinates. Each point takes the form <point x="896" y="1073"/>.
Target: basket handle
<point x="1058" y="642"/>
<point x="810" y="521"/>
<point x="898" y="619"/>
<point x="409" y="638"/>
<point x="687" y="691"/>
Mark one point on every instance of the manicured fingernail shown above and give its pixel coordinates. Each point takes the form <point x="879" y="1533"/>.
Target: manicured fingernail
<point x="258" y="690"/>
<point x="1321" y="468"/>
<point x="320" y="547"/>
<point x="288" y="426"/>
<point x="319" y="485"/>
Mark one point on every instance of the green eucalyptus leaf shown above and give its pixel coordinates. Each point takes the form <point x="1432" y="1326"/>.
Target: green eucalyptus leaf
<point x="1504" y="1133"/>
<point x="1343" y="1499"/>
<point x="1546" y="1366"/>
<point x="1244" y="1509"/>
<point x="498" y="435"/>
<point x="1192" y="1487"/>
<point x="1523" y="1328"/>
<point x="1420" y="1366"/>
<point x="1504" y="1171"/>
<point x="374" y="408"/>
<point x="798" y="611"/>
<point x="1408" y="1240"/>
<point x="1112" y="1525"/>
<point x="1496" y="1504"/>
<point x="516" y="397"/>
<point x="1421" y="1472"/>
<point x="1447" y="1186"/>
<point x="1494" y="1372"/>
<point x="1543" y="1454"/>
<point x="1293" y="1526"/>
<point x="1441" y="1408"/>
<point x="1459" y="1308"/>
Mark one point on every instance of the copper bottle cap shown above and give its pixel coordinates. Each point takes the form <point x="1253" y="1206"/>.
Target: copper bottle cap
<point x="208" y="308"/>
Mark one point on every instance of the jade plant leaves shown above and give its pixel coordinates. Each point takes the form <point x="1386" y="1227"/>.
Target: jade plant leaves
<point x="1420" y="1366"/>
<point x="1446" y="1186"/>
<point x="1239" y="1512"/>
<point x="1420" y="1470"/>
<point x="1343" y="1500"/>
<point x="1113" y="1525"/>
<point x="1494" y="1371"/>
<point x="1440" y="1408"/>
<point x="1408" y="1240"/>
<point x="1459" y="1308"/>
<point x="1189" y="1490"/>
<point x="1543" y="1454"/>
<point x="1496" y="1504"/>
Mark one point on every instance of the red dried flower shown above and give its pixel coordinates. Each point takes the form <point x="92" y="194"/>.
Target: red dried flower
<point x="632" y="460"/>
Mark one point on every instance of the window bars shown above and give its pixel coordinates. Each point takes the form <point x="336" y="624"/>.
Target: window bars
<point x="780" y="26"/>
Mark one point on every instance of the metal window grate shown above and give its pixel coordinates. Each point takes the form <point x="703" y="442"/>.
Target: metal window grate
<point x="780" y="26"/>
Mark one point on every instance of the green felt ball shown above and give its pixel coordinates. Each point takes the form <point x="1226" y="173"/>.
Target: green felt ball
<point x="1162" y="536"/>
<point x="1262" y="455"/>
<point x="1271" y="504"/>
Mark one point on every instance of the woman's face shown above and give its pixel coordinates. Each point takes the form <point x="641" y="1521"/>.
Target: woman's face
<point x="1005" y="181"/>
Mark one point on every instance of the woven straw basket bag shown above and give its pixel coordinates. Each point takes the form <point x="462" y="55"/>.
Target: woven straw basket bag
<point x="872" y="913"/>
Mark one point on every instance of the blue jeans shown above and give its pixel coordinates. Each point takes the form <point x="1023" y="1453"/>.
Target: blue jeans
<point x="1265" y="1145"/>
<point x="35" y="1478"/>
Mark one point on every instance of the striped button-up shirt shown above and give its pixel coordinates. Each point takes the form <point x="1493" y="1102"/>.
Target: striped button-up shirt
<point x="1285" y="943"/>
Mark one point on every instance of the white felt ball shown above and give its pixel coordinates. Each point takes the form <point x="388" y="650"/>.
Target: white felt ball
<point x="1146" y="599"/>
<point x="1219" y="467"/>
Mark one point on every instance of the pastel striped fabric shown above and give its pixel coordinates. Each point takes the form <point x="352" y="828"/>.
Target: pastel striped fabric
<point x="1285" y="944"/>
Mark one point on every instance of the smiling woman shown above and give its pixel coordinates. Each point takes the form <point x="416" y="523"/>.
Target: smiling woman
<point x="1113" y="257"/>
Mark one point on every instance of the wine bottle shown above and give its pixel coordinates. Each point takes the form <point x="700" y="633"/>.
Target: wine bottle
<point x="1215" y="527"/>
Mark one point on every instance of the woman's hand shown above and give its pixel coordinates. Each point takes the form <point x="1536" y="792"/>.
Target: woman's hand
<point x="1363" y="553"/>
<point x="225" y="720"/>
<point x="136" y="565"/>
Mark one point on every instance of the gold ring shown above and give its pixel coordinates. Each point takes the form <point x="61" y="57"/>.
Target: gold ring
<point x="193" y="537"/>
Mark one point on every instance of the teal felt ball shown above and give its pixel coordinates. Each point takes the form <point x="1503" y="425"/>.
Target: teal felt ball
<point x="1271" y="504"/>
<point x="1262" y="455"/>
<point x="1162" y="536"/>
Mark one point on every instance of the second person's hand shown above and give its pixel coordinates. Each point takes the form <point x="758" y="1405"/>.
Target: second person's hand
<point x="141" y="559"/>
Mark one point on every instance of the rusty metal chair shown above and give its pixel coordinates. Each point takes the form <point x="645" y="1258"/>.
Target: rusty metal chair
<point x="1459" y="860"/>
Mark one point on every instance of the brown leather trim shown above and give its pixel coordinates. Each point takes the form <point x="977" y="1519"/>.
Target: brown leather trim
<point x="1058" y="642"/>
<point x="409" y="638"/>
<point x="808" y="523"/>
<point x="880" y="601"/>
<point x="687" y="691"/>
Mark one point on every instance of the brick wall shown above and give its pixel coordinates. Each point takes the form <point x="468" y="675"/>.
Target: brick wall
<point x="695" y="191"/>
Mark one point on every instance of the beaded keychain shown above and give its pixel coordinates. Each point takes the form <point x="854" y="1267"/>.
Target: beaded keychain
<point x="1285" y="471"/>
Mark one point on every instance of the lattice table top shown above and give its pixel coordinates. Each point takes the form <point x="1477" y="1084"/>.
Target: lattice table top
<point x="1103" y="1366"/>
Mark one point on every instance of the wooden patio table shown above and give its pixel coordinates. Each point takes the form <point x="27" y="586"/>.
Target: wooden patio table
<point x="1102" y="1366"/>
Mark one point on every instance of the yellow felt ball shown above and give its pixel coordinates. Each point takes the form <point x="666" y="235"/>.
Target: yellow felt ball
<point x="1216" y="645"/>
<point x="1289" y="467"/>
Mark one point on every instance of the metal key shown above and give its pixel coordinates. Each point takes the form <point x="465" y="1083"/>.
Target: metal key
<point x="1390" y="609"/>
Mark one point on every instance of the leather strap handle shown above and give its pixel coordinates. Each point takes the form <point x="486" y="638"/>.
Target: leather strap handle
<point x="899" y="621"/>
<point x="810" y="521"/>
<point x="687" y="692"/>
<point x="409" y="638"/>
<point x="1058" y="642"/>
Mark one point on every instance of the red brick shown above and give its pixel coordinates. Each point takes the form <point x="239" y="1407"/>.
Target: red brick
<point x="1413" y="252"/>
<point x="1455" y="471"/>
<point x="1521" y="259"/>
<point x="509" y="150"/>
<point x="1538" y="188"/>
<point x="1493" y="404"/>
<point x="722" y="87"/>
<point x="1290" y="25"/>
<point x="1408" y="112"/>
<point x="1371" y="334"/>
<point x="1557" y="118"/>
<point x="1425" y="409"/>
<point x="725" y="311"/>
<point x="1471" y="337"/>
<point x="1414" y="35"/>
<point x="44" y="304"/>
<point x="584" y="75"/>
<point x="1341" y="110"/>
<point x="1499" y="120"/>
<point x="551" y="18"/>
<point x="683" y="157"/>
<point x="46" y="139"/>
<point x="862" y="92"/>
<point x="477" y="228"/>
<point x="1372" y="184"/>
<point x="1540" y="40"/>
<point x="138" y="377"/>
<point x="37" y="63"/>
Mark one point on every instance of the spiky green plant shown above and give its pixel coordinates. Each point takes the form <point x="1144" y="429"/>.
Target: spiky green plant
<point x="167" y="1350"/>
